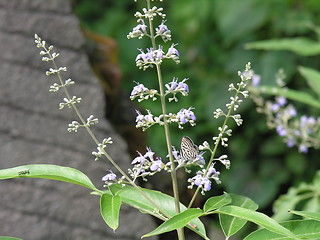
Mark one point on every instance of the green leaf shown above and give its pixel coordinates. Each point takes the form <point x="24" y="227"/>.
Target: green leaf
<point x="257" y="218"/>
<point x="178" y="221"/>
<point x="9" y="238"/>
<point x="285" y="203"/>
<point x="290" y="94"/>
<point x="300" y="46"/>
<point x="306" y="214"/>
<point x="54" y="172"/>
<point x="133" y="198"/>
<point x="313" y="78"/>
<point x="304" y="229"/>
<point x="109" y="209"/>
<point x="230" y="224"/>
<point x="216" y="202"/>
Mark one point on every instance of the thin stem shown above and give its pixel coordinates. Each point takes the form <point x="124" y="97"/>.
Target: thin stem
<point x="166" y="130"/>
<point x="97" y="142"/>
<point x="213" y="152"/>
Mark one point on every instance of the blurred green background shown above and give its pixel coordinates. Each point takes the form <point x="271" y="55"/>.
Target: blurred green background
<point x="211" y="35"/>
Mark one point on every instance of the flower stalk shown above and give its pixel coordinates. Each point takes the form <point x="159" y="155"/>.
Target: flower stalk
<point x="56" y="70"/>
<point x="166" y="129"/>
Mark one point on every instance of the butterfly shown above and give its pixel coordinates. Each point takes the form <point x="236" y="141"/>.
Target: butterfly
<point x="188" y="150"/>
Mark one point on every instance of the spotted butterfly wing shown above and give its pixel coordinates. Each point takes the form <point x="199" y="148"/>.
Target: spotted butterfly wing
<point x="188" y="150"/>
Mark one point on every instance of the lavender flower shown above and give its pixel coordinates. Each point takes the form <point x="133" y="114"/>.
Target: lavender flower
<point x="146" y="121"/>
<point x="175" y="87"/>
<point x="173" y="53"/>
<point x="109" y="177"/>
<point x="186" y="115"/>
<point x="153" y="56"/>
<point x="163" y="31"/>
<point x="301" y="132"/>
<point x="202" y="179"/>
<point x="143" y="93"/>
<point x="146" y="165"/>
<point x="139" y="31"/>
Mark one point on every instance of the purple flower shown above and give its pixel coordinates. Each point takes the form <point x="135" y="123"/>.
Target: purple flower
<point x="275" y="107"/>
<point x="281" y="131"/>
<point x="213" y="173"/>
<point x="256" y="80"/>
<point x="291" y="142"/>
<point x="149" y="154"/>
<point x="201" y="181"/>
<point x="206" y="184"/>
<point x="174" y="87"/>
<point x="200" y="160"/>
<point x="290" y="111"/>
<point x="109" y="177"/>
<point x="159" y="54"/>
<point x="140" y="28"/>
<point x="138" y="89"/>
<point x="186" y="115"/>
<point x="139" y="31"/>
<point x="198" y="179"/>
<point x="281" y="101"/>
<point x="140" y="117"/>
<point x="144" y="121"/>
<point x="162" y="29"/>
<point x="156" y="165"/>
<point x="140" y="159"/>
<point x="173" y="53"/>
<point x="303" y="148"/>
<point x="183" y="87"/>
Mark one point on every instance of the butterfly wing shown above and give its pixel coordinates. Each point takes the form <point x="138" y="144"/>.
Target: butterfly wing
<point x="188" y="150"/>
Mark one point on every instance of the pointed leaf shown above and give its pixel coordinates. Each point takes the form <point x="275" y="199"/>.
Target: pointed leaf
<point x="313" y="78"/>
<point x="229" y="224"/>
<point x="284" y="203"/>
<point x="300" y="46"/>
<point x="133" y="198"/>
<point x="9" y="238"/>
<point x="54" y="172"/>
<point x="310" y="215"/>
<point x="257" y="218"/>
<point x="216" y="202"/>
<point x="109" y="209"/>
<point x="304" y="229"/>
<point x="290" y="94"/>
<point x="178" y="221"/>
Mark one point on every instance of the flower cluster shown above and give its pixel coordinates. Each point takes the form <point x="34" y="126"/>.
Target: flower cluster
<point x="143" y="93"/>
<point x="111" y="178"/>
<point x="48" y="55"/>
<point x="153" y="56"/>
<point x="182" y="117"/>
<point x="300" y="131"/>
<point x="233" y="105"/>
<point x="175" y="87"/>
<point x="101" y="147"/>
<point x="74" y="125"/>
<point x="203" y="179"/>
<point x="147" y="165"/>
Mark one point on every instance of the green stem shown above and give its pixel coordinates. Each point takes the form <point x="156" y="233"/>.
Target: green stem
<point x="97" y="142"/>
<point x="166" y="130"/>
<point x="213" y="152"/>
